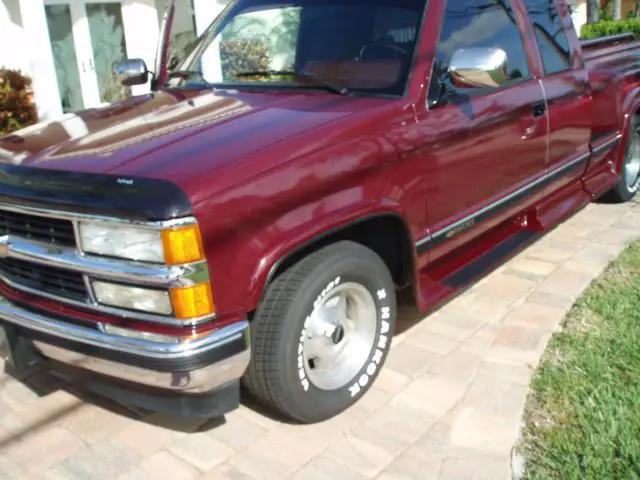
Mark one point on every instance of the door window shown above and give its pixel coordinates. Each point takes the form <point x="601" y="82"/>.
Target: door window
<point x="552" y="40"/>
<point x="483" y="23"/>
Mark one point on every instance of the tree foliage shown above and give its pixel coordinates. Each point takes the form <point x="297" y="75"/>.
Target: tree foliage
<point x="16" y="102"/>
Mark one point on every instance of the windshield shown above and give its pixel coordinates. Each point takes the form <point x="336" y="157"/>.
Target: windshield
<point x="343" y="46"/>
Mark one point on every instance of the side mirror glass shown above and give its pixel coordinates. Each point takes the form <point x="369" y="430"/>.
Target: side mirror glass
<point x="131" y="72"/>
<point x="478" y="67"/>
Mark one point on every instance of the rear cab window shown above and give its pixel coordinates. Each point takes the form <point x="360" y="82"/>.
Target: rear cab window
<point x="550" y="35"/>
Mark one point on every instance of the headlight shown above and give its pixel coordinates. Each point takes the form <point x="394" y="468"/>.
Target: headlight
<point x="125" y="242"/>
<point x="133" y="298"/>
<point x="184" y="303"/>
<point x="171" y="246"/>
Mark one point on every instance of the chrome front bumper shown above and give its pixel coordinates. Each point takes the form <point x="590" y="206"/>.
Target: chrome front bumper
<point x="178" y="367"/>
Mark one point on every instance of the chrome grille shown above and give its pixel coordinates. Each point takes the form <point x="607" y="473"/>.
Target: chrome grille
<point x="50" y="280"/>
<point x="42" y="229"/>
<point x="28" y="263"/>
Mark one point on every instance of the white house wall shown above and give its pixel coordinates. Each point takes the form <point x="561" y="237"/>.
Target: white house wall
<point x="183" y="24"/>
<point x="141" y="33"/>
<point x="39" y="58"/>
<point x="23" y="24"/>
<point x="579" y="13"/>
<point x="206" y="12"/>
<point x="11" y="33"/>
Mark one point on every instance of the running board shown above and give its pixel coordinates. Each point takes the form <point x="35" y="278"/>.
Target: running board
<point x="439" y="289"/>
<point x="491" y="260"/>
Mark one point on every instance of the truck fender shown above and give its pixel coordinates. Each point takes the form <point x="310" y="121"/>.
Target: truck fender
<point x="314" y="232"/>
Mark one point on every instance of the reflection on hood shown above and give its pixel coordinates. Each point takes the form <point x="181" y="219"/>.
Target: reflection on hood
<point x="103" y="131"/>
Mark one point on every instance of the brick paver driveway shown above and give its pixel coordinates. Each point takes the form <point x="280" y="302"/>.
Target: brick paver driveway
<point x="447" y="405"/>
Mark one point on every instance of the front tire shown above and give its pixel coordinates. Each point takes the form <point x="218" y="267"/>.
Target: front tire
<point x="322" y="333"/>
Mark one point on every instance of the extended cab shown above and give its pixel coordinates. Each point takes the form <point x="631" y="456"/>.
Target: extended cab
<point x="252" y="218"/>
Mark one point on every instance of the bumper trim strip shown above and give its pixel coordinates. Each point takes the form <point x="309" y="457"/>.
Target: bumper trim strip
<point x="160" y="365"/>
<point x="40" y="323"/>
<point x="199" y="380"/>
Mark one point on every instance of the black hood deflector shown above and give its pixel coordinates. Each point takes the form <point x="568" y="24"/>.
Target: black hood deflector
<point x="131" y="197"/>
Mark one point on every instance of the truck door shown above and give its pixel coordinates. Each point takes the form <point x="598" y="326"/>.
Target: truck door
<point x="566" y="88"/>
<point x="484" y="133"/>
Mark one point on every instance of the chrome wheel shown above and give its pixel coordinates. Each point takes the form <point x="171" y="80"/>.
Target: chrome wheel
<point x="339" y="336"/>
<point x="632" y="162"/>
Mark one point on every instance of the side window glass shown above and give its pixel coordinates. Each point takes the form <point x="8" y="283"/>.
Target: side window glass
<point x="486" y="24"/>
<point x="552" y="40"/>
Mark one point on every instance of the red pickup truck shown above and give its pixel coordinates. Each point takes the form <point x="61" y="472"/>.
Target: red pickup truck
<point x="251" y="219"/>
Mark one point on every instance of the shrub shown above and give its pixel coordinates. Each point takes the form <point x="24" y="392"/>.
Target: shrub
<point x="610" y="27"/>
<point x="239" y="56"/>
<point x="16" y="104"/>
<point x="606" y="11"/>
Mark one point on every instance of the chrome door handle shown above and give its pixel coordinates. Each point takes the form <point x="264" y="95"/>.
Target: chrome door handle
<point x="539" y="109"/>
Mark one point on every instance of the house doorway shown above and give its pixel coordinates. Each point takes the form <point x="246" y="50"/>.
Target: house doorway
<point x="87" y="37"/>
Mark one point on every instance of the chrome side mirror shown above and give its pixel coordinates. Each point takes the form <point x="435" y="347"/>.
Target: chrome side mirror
<point x="131" y="72"/>
<point x="478" y="67"/>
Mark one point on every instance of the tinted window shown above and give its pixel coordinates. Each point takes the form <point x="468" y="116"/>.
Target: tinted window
<point x="482" y="23"/>
<point x="554" y="46"/>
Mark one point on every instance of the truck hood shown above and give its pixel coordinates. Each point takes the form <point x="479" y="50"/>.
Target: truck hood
<point x="154" y="156"/>
<point x="146" y="136"/>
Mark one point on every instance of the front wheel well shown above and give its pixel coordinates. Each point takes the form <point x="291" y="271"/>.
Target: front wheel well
<point x="387" y="235"/>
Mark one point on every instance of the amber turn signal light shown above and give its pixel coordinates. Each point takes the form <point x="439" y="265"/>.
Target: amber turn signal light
<point x="192" y="302"/>
<point x="182" y="245"/>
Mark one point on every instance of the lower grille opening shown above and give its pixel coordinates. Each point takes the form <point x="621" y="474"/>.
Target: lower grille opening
<point x="51" y="280"/>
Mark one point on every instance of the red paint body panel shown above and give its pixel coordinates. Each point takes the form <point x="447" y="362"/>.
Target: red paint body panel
<point x="268" y="172"/>
<point x="488" y="135"/>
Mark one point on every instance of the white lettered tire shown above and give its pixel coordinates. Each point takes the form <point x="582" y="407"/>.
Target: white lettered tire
<point x="322" y="333"/>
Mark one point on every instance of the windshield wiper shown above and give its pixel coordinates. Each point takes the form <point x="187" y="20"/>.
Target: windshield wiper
<point x="310" y="76"/>
<point x="185" y="74"/>
<point x="193" y="75"/>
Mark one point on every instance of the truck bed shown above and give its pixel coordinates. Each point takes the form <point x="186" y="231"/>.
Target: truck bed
<point x="609" y="48"/>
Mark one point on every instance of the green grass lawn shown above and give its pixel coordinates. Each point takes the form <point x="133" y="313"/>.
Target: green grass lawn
<point x="583" y="412"/>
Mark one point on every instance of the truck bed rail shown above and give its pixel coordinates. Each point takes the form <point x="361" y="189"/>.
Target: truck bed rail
<point x="607" y="40"/>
